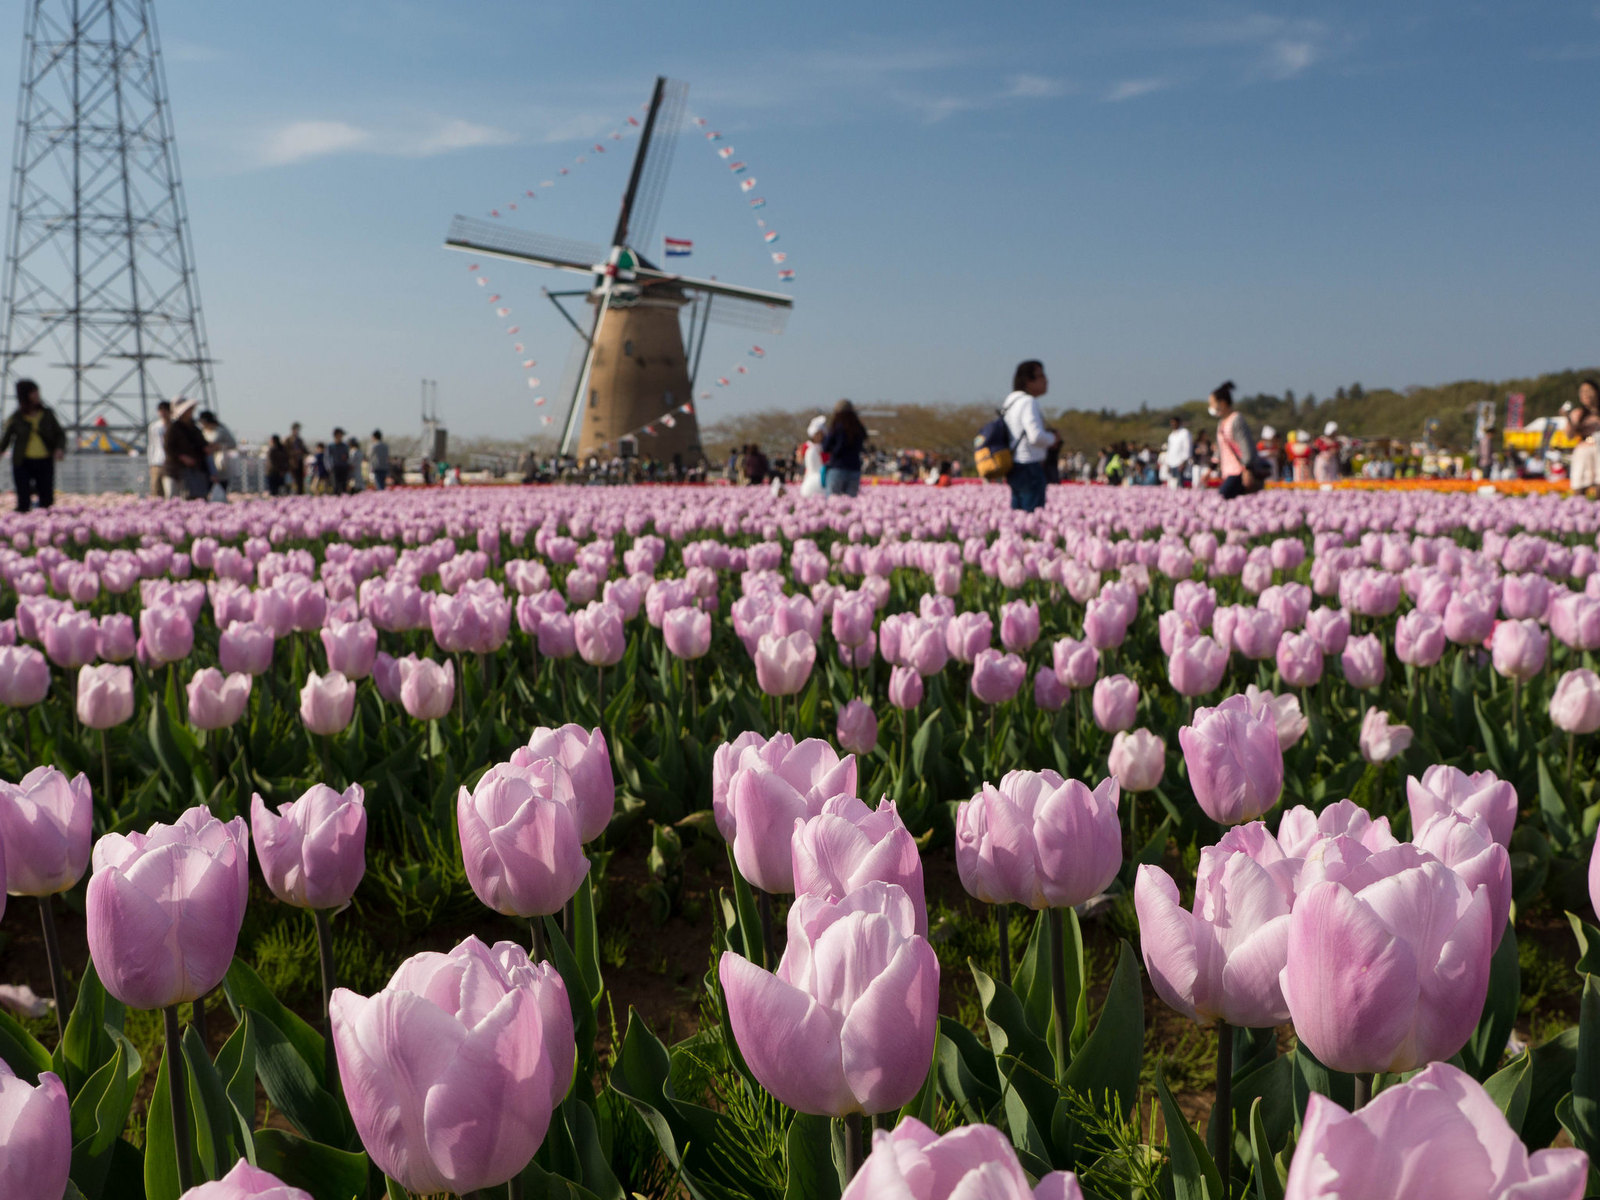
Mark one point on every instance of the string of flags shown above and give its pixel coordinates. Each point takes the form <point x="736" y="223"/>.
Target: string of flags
<point x="502" y="311"/>
<point x="626" y="129"/>
<point x="667" y="420"/>
<point x="747" y="183"/>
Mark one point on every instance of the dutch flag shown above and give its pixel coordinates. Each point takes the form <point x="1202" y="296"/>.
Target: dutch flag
<point x="738" y="168"/>
<point x="770" y="236"/>
<point x="677" y="247"/>
<point x="786" y="275"/>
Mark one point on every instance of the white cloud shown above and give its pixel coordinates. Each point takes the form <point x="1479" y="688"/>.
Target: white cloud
<point x="300" y="140"/>
<point x="1035" y="87"/>
<point x="1287" y="58"/>
<point x="1132" y="89"/>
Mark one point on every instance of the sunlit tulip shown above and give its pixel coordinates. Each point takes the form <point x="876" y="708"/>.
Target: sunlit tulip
<point x="1519" y="648"/>
<point x="1196" y="666"/>
<point x="46" y="825"/>
<point x="35" y="1136"/>
<point x="217" y="701"/>
<point x="905" y="688"/>
<point x="453" y="1069"/>
<point x="427" y="688"/>
<point x="1381" y="741"/>
<point x="1116" y="703"/>
<point x="1019" y="625"/>
<point x="105" y="695"/>
<point x="1445" y="788"/>
<point x="597" y="630"/>
<point x="847" y="845"/>
<point x="519" y="840"/>
<point x="312" y="851"/>
<point x="587" y="759"/>
<point x="24" y="676"/>
<point x="1039" y="840"/>
<point x="775" y="785"/>
<point x="1137" y="760"/>
<point x="327" y="702"/>
<point x="1575" y="704"/>
<point x="1363" y="662"/>
<point x="847" y="1022"/>
<point x="783" y="663"/>
<point x="351" y="647"/>
<point x="968" y="1163"/>
<point x="857" y="728"/>
<point x="997" y="677"/>
<point x="1235" y="763"/>
<point x="687" y="632"/>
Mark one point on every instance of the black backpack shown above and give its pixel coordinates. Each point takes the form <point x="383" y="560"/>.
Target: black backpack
<point x="992" y="448"/>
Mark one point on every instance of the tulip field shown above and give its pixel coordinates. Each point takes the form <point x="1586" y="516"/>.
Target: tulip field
<point x="699" y="842"/>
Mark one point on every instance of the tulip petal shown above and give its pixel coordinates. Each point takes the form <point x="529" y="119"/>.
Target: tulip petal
<point x="888" y="1034"/>
<point x="789" y="1041"/>
<point x="1167" y="937"/>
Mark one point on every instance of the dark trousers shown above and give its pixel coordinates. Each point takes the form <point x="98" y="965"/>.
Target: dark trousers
<point x="34" y="477"/>
<point x="299" y="476"/>
<point x="341" y="480"/>
<point x="1232" y="487"/>
<point x="1027" y="486"/>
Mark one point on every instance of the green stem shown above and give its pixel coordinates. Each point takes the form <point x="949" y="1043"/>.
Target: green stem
<point x="105" y="769"/>
<point x="854" y="1144"/>
<point x="330" y="1062"/>
<point x="1222" y="1106"/>
<point x="1004" y="926"/>
<point x="541" y="948"/>
<point x="58" y="979"/>
<point x="1058" y="986"/>
<point x="1572" y="753"/>
<point x="1363" y="1089"/>
<point x="177" y="1092"/>
<point x="769" y="940"/>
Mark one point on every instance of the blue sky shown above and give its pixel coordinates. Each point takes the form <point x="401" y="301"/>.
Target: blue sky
<point x="1150" y="197"/>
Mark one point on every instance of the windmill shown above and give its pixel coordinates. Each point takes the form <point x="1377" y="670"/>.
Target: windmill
<point x="635" y="368"/>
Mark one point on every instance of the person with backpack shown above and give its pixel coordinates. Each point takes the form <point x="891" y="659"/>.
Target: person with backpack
<point x="1242" y="469"/>
<point x="841" y="450"/>
<point x="1030" y="440"/>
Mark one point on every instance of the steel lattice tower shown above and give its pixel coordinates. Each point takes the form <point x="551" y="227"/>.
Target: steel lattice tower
<point x="100" y="300"/>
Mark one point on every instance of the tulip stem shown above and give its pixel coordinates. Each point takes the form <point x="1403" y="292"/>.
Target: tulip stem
<point x="330" y="1064"/>
<point x="52" y="952"/>
<point x="1004" y="912"/>
<point x="1222" y="1106"/>
<point x="769" y="944"/>
<point x="105" y="769"/>
<point x="177" y="1092"/>
<point x="1572" y="752"/>
<point x="854" y="1144"/>
<point x="541" y="949"/>
<point x="1363" y="1090"/>
<point x="1058" y="985"/>
<point x="27" y="743"/>
<point x="600" y="695"/>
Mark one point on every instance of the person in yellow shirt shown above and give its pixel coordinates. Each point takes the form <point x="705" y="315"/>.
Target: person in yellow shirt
<point x="36" y="441"/>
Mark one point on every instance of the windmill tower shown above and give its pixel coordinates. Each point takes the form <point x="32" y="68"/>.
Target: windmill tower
<point x="99" y="302"/>
<point x="635" y="369"/>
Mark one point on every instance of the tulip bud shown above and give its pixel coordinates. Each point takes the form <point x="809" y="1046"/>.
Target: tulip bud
<point x="1381" y="741"/>
<point x="1419" y="639"/>
<point x="687" y="632"/>
<point x="46" y="823"/>
<point x="848" y="845"/>
<point x="1363" y="662"/>
<point x="427" y="688"/>
<point x="587" y="759"/>
<point x="245" y="648"/>
<point x="519" y="839"/>
<point x="1039" y="840"/>
<point x="857" y="728"/>
<point x="1196" y="666"/>
<point x="24" y="676"/>
<point x="351" y="647"/>
<point x="1137" y="760"/>
<point x="105" y="695"/>
<point x="313" y="851"/>
<point x="1519" y="648"/>
<point x="1444" y="788"/>
<point x="1116" y="703"/>
<point x="1575" y="706"/>
<point x="1049" y="693"/>
<point x="1300" y="660"/>
<point x="327" y="702"/>
<point x="217" y="701"/>
<point x="1235" y="763"/>
<point x="996" y="677"/>
<point x="783" y="663"/>
<point x="35" y="1136"/>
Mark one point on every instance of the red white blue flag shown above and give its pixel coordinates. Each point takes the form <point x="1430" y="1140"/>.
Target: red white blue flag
<point x="677" y="247"/>
<point x="758" y="202"/>
<point x="786" y="275"/>
<point x="770" y="236"/>
<point x="757" y="352"/>
<point x="738" y="168"/>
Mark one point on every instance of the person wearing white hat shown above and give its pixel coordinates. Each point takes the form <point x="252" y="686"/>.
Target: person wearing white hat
<point x="188" y="455"/>
<point x="1326" y="467"/>
<point x="811" y="483"/>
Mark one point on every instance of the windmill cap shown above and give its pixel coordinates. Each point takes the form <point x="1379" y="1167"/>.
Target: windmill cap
<point x="818" y="424"/>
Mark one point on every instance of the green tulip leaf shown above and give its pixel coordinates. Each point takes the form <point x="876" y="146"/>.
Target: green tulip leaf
<point x="1268" y="1185"/>
<point x="1482" y="1053"/>
<point x="808" y="1151"/>
<point x="326" y="1172"/>
<point x="1194" y="1174"/>
<point x="244" y="989"/>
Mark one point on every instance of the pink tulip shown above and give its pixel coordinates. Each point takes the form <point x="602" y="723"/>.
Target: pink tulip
<point x="1419" y="639"/>
<point x="1116" y="703"/>
<point x="1234" y="759"/>
<point x="1077" y="664"/>
<point x="967" y="634"/>
<point x="1363" y="662"/>
<point x="1519" y="648"/>
<point x="852" y="619"/>
<point x="427" y="688"/>
<point x="519" y="839"/>
<point x="1575" y="705"/>
<point x="105" y="695"/>
<point x="597" y="630"/>
<point x="1594" y="877"/>
<point x="1221" y="962"/>
<point x="1019" y="625"/>
<point x="905" y="688"/>
<point x="1049" y="693"/>
<point x="1465" y="845"/>
<point x="1299" y="660"/>
<point x="847" y="845"/>
<point x="386" y="677"/>
<point x="217" y="701"/>
<point x="1284" y="709"/>
<point x="116" y="640"/>
<point x="923" y="646"/>
<point x="687" y="632"/>
<point x="1437" y="1134"/>
<point x="1444" y="788"/>
<point x="857" y="728"/>
<point x="1105" y="623"/>
<point x="1389" y="973"/>
<point x="972" y="1161"/>
<point x="24" y="676"/>
<point x="1469" y="618"/>
<point x="775" y="785"/>
<point x="587" y="759"/>
<point x="1256" y="633"/>
<point x="245" y="1182"/>
<point x="351" y="647"/>
<point x="726" y="762"/>
<point x="35" y="1136"/>
<point x="327" y="702"/>
<point x="71" y="639"/>
<point x="557" y="636"/>
<point x="997" y="677"/>
<point x="245" y="648"/>
<point x="1381" y="741"/>
<point x="313" y="851"/>
<point x="453" y="1069"/>
<point x="1330" y="627"/>
<point x="848" y="1021"/>
<point x="167" y="634"/>
<point x="1196" y="666"/>
<point x="783" y="663"/>
<point x="164" y="908"/>
<point x="1137" y="760"/>
<point x="46" y="823"/>
<point x="1039" y="840"/>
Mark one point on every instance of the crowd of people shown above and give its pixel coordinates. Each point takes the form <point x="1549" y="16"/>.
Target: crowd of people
<point x="189" y="457"/>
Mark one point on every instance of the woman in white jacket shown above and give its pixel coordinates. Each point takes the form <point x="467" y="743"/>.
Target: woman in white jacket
<point x="811" y="482"/>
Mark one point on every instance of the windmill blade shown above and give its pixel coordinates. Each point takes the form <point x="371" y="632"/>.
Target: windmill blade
<point x="542" y="250"/>
<point x="715" y="287"/>
<point x="657" y="161"/>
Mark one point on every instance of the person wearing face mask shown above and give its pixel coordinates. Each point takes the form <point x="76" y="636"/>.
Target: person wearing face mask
<point x="1235" y="446"/>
